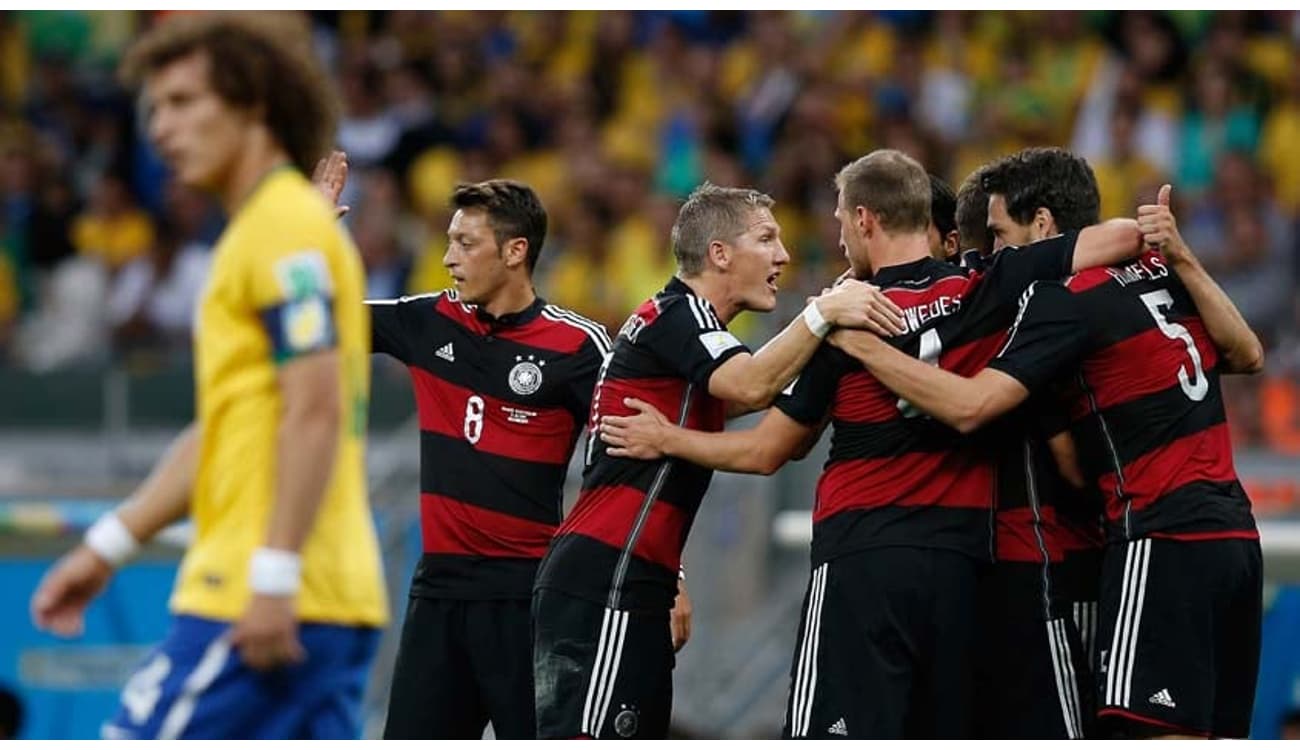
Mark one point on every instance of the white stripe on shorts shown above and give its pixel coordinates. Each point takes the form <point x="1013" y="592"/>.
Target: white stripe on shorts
<point x="214" y="659"/>
<point x="805" y="683"/>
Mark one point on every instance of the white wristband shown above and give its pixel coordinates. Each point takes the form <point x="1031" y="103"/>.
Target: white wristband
<point x="817" y="325"/>
<point x="111" y="540"/>
<point x="274" y="572"/>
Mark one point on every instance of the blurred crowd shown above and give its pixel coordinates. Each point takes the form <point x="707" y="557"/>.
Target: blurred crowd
<point x="614" y="116"/>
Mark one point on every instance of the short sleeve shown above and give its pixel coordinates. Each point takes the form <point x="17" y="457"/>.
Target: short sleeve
<point x="394" y="324"/>
<point x="293" y="294"/>
<point x="808" y="398"/>
<point x="581" y="384"/>
<point x="1013" y="269"/>
<point x="1049" y="337"/>
<point x="690" y="339"/>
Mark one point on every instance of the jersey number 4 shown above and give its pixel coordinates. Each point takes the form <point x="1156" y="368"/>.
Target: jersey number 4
<point x="931" y="348"/>
<point x="1195" y="385"/>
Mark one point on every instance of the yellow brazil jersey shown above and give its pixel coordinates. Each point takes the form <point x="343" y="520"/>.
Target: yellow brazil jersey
<point x="285" y="281"/>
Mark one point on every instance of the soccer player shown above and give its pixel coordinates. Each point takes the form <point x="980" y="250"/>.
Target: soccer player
<point x="503" y="383"/>
<point x="1144" y="344"/>
<point x="603" y="661"/>
<point x="902" y="515"/>
<point x="280" y="596"/>
<point x="1041" y="593"/>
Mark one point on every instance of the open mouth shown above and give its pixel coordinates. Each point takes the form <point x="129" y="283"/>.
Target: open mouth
<point x="771" y="281"/>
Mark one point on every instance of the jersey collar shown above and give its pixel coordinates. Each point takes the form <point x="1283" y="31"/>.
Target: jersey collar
<point x="510" y="320"/>
<point x="913" y="271"/>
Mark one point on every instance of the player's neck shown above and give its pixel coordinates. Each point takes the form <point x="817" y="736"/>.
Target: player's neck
<point x="511" y="298"/>
<point x="256" y="160"/>
<point x="899" y="249"/>
<point x="713" y="288"/>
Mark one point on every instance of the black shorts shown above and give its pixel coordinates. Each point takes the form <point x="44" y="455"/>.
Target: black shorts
<point x="885" y="647"/>
<point x="1179" y="637"/>
<point x="1030" y="670"/>
<point x="1077" y="583"/>
<point x="461" y="664"/>
<point x="600" y="672"/>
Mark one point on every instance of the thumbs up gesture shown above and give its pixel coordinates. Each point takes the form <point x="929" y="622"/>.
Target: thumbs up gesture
<point x="1160" y="229"/>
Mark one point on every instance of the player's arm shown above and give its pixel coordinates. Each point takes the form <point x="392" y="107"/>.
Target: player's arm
<point x="963" y="403"/>
<point x="60" y="601"/>
<point x="1066" y="456"/>
<point x="1105" y="244"/>
<point x="1014" y="268"/>
<point x="1049" y="338"/>
<point x="1240" y="348"/>
<point x="647" y="434"/>
<point x="293" y="297"/>
<point x="310" y="416"/>
<point x="752" y="381"/>
<point x="397" y="326"/>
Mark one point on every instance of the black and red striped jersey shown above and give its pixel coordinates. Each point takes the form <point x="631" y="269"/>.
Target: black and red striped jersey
<point x="895" y="476"/>
<point x="1145" y="407"/>
<point x="501" y="402"/>
<point x="621" y="544"/>
<point x="1038" y="514"/>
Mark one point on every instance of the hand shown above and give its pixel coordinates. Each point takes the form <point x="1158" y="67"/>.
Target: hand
<point x="848" y="274"/>
<point x="1160" y="229"/>
<point x="329" y="177"/>
<point x="267" y="634"/>
<point x="60" y="601"/>
<point x="679" y="620"/>
<point x="857" y="304"/>
<point x="639" y="435"/>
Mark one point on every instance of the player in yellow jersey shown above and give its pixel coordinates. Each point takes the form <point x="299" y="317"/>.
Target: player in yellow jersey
<point x="280" y="597"/>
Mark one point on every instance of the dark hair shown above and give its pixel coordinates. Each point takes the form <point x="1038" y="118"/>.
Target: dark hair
<point x="513" y="210"/>
<point x="890" y="184"/>
<point x="972" y="214"/>
<point x="1050" y="178"/>
<point x="943" y="206"/>
<point x="711" y="212"/>
<point x="256" y="59"/>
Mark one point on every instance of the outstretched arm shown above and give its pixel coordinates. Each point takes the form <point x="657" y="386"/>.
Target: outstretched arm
<point x="649" y="435"/>
<point x="965" y="404"/>
<point x="1105" y="244"/>
<point x="751" y="382"/>
<point x="1232" y="336"/>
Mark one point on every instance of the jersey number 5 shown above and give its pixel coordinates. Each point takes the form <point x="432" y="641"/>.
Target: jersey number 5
<point x="1195" y="385"/>
<point x="474" y="419"/>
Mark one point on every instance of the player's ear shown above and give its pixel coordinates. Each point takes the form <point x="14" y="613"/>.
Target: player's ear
<point x="515" y="252"/>
<point x="720" y="254"/>
<point x="951" y="244"/>
<point x="865" y="220"/>
<point x="1044" y="222"/>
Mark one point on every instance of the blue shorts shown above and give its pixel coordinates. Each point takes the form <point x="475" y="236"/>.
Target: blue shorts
<point x="194" y="686"/>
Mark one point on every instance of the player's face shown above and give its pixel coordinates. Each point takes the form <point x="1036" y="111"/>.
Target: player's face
<point x="757" y="259"/>
<point x="1006" y="232"/>
<point x="198" y="135"/>
<point x="473" y="256"/>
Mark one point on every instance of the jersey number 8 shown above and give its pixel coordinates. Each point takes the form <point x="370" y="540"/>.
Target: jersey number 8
<point x="474" y="419"/>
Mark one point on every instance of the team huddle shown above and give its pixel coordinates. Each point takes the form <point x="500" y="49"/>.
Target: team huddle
<point x="1029" y="524"/>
